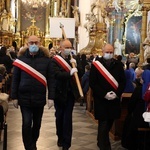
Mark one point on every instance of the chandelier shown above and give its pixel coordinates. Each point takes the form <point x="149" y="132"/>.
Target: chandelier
<point x="36" y="3"/>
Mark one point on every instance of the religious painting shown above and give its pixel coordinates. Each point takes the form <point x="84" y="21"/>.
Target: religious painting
<point x="32" y="12"/>
<point x="132" y="34"/>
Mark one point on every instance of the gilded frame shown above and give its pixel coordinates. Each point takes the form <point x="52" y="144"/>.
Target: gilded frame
<point x="132" y="33"/>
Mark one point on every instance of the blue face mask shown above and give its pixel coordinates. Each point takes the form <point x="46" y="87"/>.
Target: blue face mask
<point x="67" y="52"/>
<point x="33" y="48"/>
<point x="108" y="56"/>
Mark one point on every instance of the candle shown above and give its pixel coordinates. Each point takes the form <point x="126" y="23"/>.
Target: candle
<point x="55" y="8"/>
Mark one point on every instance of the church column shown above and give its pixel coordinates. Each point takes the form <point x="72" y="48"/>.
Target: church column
<point x="18" y="8"/>
<point x="63" y="8"/>
<point x="111" y="31"/>
<point x="110" y="34"/>
<point x="47" y="19"/>
<point x="118" y="25"/>
<point x="145" y="9"/>
<point x="58" y="7"/>
<point x="68" y="8"/>
<point x="7" y="5"/>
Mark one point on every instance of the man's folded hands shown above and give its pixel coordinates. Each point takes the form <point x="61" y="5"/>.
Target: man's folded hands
<point x="110" y="95"/>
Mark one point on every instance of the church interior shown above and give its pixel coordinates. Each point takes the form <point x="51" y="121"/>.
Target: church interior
<point x="89" y="25"/>
<point x="96" y="21"/>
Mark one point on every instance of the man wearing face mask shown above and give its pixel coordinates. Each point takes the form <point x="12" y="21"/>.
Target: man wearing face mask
<point x="107" y="81"/>
<point x="32" y="76"/>
<point x="66" y="93"/>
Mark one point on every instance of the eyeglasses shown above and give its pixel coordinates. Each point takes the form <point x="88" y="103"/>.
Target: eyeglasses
<point x="33" y="42"/>
<point x="68" y="47"/>
<point x="109" y="52"/>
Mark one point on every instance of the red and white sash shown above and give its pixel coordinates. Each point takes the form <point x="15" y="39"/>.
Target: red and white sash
<point x="34" y="73"/>
<point x="106" y="74"/>
<point x="62" y="62"/>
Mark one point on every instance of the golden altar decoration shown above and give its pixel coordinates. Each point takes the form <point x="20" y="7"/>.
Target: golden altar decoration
<point x="6" y="38"/>
<point x="100" y="39"/>
<point x="32" y="30"/>
<point x="96" y="27"/>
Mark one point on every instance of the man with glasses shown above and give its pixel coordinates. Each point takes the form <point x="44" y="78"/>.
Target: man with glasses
<point x="32" y="75"/>
<point x="107" y="81"/>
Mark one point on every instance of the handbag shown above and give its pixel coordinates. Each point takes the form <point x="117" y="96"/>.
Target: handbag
<point x="147" y="94"/>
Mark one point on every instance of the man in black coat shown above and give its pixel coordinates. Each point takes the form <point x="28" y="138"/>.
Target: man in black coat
<point x="66" y="93"/>
<point x="107" y="81"/>
<point x="32" y="75"/>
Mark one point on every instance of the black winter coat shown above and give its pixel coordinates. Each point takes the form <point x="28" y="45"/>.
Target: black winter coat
<point x="65" y="84"/>
<point x="103" y="108"/>
<point x="28" y="90"/>
<point x="6" y="60"/>
<point x="133" y="121"/>
<point x="85" y="82"/>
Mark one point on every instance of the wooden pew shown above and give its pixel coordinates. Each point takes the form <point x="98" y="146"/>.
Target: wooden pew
<point x="117" y="128"/>
<point x="3" y="115"/>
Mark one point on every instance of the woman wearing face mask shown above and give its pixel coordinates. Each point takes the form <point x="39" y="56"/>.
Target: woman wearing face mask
<point x="32" y="73"/>
<point x="107" y="81"/>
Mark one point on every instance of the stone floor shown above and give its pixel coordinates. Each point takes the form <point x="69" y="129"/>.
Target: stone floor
<point x="84" y="131"/>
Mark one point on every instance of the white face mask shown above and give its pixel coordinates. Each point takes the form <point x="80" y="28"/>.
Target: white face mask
<point x="108" y="56"/>
<point x="67" y="52"/>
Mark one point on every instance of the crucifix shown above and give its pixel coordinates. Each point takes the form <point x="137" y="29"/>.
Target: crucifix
<point x="33" y="22"/>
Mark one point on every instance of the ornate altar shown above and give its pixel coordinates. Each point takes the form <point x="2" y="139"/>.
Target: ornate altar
<point x="6" y="34"/>
<point x="100" y="39"/>
<point x="6" y="38"/>
<point x="22" y="37"/>
<point x="32" y="30"/>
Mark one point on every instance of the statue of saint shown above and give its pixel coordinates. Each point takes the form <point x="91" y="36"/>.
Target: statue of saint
<point x="12" y="24"/>
<point x="91" y="22"/>
<point x="5" y="20"/>
<point x="115" y="4"/>
<point x="107" y="22"/>
<point x="146" y="46"/>
<point x="98" y="8"/>
<point x="117" y="47"/>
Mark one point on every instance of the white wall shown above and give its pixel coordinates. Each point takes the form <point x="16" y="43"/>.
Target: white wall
<point x="84" y="8"/>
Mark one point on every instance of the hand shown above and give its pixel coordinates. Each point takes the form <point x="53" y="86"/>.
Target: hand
<point x="50" y="103"/>
<point x="73" y="70"/>
<point x="72" y="60"/>
<point x="110" y="95"/>
<point x="146" y="116"/>
<point x="15" y="103"/>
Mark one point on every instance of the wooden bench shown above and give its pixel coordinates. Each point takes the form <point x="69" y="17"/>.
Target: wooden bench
<point x="3" y="115"/>
<point x="117" y="128"/>
<point x="126" y="95"/>
<point x="3" y="123"/>
<point x="144" y="137"/>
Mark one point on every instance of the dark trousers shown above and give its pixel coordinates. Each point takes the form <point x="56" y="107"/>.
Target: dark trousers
<point x="63" y="116"/>
<point x="103" y="134"/>
<point x="31" y="124"/>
